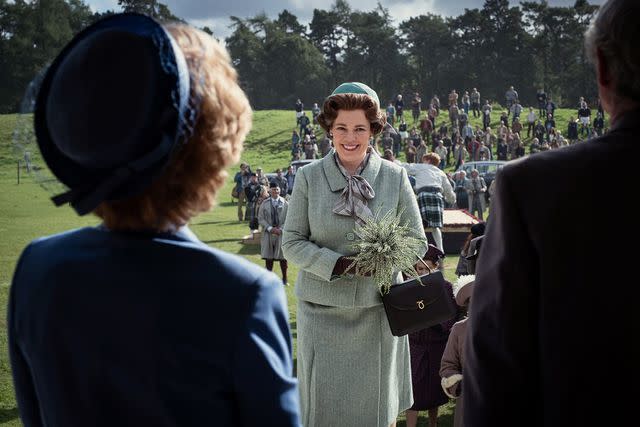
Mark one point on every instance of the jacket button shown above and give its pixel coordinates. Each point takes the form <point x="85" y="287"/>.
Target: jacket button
<point x="350" y="236"/>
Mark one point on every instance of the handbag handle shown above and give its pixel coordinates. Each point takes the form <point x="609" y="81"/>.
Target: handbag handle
<point x="428" y="268"/>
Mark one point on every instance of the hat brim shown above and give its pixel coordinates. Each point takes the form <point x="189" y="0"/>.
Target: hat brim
<point x="69" y="172"/>
<point x="463" y="295"/>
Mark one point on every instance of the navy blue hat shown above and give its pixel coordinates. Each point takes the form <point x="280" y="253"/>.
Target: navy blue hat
<point x="108" y="114"/>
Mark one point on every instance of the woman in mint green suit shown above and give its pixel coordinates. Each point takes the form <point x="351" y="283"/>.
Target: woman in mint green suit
<point x="352" y="371"/>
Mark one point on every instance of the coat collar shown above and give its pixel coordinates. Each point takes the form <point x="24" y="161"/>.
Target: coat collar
<point x="183" y="233"/>
<point x="627" y="120"/>
<point x="337" y="181"/>
<point x="279" y="201"/>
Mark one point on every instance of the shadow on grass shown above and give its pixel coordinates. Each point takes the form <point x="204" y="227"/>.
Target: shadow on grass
<point x="8" y="414"/>
<point x="265" y="140"/>
<point x="222" y="241"/>
<point x="213" y="223"/>
<point x="249" y="249"/>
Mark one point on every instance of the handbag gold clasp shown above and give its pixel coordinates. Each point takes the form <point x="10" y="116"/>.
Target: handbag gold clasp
<point x="420" y="304"/>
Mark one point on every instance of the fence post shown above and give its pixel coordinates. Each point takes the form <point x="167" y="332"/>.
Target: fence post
<point x="18" y="172"/>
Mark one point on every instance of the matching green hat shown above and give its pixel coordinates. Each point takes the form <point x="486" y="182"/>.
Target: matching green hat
<point x="357" y="87"/>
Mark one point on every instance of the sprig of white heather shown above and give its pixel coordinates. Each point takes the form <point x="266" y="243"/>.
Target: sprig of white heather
<point x="385" y="246"/>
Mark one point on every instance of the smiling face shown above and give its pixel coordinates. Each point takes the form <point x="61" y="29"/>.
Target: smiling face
<point x="351" y="132"/>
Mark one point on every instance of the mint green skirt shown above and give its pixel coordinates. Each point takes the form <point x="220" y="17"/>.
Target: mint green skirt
<point x="352" y="372"/>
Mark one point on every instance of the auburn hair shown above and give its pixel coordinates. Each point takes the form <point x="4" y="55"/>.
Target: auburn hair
<point x="352" y="101"/>
<point x="431" y="158"/>
<point x="197" y="169"/>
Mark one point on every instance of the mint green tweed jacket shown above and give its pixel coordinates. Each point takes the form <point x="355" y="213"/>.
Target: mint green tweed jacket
<point x="314" y="237"/>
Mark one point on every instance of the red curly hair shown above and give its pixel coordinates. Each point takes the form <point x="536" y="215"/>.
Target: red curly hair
<point x="196" y="171"/>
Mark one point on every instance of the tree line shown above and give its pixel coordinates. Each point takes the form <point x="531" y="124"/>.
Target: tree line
<point x="529" y="46"/>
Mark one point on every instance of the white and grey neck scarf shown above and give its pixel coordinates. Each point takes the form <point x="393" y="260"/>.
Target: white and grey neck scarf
<point x="355" y="196"/>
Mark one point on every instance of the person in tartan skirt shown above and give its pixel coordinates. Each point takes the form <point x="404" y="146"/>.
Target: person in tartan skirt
<point x="433" y="188"/>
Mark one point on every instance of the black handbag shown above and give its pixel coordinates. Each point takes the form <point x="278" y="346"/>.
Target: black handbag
<point x="418" y="303"/>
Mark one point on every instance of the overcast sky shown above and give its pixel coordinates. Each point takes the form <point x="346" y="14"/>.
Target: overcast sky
<point x="215" y="14"/>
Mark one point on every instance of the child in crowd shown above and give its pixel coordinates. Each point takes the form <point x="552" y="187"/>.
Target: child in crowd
<point x="426" y="348"/>
<point x="453" y="357"/>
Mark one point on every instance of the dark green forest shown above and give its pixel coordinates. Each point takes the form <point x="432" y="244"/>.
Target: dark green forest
<point x="529" y="45"/>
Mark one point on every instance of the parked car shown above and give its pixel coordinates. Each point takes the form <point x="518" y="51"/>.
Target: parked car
<point x="297" y="164"/>
<point x="487" y="169"/>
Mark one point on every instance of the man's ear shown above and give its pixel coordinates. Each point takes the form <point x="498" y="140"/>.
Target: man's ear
<point x="602" y="69"/>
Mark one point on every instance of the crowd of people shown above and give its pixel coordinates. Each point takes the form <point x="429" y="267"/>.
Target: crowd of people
<point x="518" y="131"/>
<point x="116" y="324"/>
<point x="456" y="140"/>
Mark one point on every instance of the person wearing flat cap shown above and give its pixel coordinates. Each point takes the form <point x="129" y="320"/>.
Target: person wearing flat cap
<point x="426" y="349"/>
<point x="136" y="322"/>
<point x="271" y="217"/>
<point x="352" y="370"/>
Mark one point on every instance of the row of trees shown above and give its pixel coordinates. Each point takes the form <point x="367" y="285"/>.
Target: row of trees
<point x="529" y="46"/>
<point x="33" y="32"/>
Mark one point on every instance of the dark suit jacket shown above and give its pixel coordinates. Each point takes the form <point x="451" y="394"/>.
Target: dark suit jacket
<point x="553" y="316"/>
<point x="133" y="329"/>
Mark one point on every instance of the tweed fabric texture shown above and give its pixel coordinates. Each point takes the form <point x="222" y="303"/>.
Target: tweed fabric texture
<point x="431" y="206"/>
<point x="314" y="237"/>
<point x="352" y="371"/>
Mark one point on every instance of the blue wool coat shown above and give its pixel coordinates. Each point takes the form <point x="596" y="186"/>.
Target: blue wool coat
<point x="109" y="328"/>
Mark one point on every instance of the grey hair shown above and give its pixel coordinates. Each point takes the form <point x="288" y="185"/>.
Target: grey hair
<point x="614" y="32"/>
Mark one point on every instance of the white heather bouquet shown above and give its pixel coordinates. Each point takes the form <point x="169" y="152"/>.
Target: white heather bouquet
<point x="386" y="246"/>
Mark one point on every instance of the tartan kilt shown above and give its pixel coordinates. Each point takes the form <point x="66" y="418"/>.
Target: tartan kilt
<point x="431" y="205"/>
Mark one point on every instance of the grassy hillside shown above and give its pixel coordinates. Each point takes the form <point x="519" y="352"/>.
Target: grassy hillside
<point x="26" y="213"/>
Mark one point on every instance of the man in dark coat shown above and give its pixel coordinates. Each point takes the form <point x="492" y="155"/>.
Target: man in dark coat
<point x="552" y="330"/>
<point x="281" y="181"/>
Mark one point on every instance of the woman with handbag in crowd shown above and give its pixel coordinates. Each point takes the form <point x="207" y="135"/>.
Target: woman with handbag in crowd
<point x="352" y="370"/>
<point x="426" y="348"/>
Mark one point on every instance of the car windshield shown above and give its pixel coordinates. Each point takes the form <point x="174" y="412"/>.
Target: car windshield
<point x="483" y="168"/>
<point x="492" y="169"/>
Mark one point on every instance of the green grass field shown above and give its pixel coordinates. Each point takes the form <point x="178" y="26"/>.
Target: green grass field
<point x="26" y="213"/>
